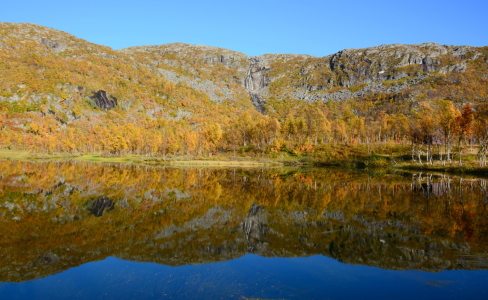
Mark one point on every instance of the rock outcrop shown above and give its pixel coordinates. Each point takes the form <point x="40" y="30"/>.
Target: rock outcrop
<point x="197" y="66"/>
<point x="346" y="74"/>
<point x="255" y="82"/>
<point x="103" y="101"/>
<point x="55" y="46"/>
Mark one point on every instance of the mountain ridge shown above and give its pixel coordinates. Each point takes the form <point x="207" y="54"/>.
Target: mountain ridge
<point x="210" y="47"/>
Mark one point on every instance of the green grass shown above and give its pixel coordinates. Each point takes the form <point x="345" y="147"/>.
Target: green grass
<point x="468" y="167"/>
<point x="222" y="161"/>
<point x="14" y="154"/>
<point x="227" y="163"/>
<point x="379" y="156"/>
<point x="98" y="158"/>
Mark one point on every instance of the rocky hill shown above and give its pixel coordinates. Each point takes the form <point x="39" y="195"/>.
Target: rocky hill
<point x="350" y="73"/>
<point x="54" y="85"/>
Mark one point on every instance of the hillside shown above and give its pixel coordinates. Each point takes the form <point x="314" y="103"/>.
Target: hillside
<point x="59" y="93"/>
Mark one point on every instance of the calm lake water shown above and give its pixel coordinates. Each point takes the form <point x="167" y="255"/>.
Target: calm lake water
<point x="102" y="231"/>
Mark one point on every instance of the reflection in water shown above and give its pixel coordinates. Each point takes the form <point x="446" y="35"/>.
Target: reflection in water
<point x="61" y="215"/>
<point x="101" y="205"/>
<point x="254" y="227"/>
<point x="428" y="186"/>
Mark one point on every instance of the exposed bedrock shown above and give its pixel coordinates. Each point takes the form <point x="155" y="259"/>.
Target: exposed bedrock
<point x="256" y="82"/>
<point x="103" y="101"/>
<point x="305" y="77"/>
<point x="54" y="46"/>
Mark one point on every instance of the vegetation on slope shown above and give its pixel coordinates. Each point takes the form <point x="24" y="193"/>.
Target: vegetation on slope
<point x="180" y="99"/>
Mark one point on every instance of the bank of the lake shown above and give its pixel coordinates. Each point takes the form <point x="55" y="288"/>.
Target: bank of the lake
<point x="345" y="156"/>
<point x="220" y="160"/>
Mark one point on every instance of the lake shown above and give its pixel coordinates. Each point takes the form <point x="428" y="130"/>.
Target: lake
<point x="114" y="231"/>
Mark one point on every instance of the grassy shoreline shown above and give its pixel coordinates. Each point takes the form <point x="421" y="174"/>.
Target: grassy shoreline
<point x="374" y="161"/>
<point x="468" y="168"/>
<point x="25" y="155"/>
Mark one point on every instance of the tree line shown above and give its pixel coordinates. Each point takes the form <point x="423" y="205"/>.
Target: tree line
<point x="435" y="130"/>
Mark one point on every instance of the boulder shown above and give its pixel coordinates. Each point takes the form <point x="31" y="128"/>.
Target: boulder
<point x="54" y="46"/>
<point x="103" y="101"/>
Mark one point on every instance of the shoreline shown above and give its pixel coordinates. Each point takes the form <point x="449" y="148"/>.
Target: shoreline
<point x="469" y="167"/>
<point x="24" y="155"/>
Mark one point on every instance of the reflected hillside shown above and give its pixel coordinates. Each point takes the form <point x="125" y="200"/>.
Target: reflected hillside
<point x="58" y="215"/>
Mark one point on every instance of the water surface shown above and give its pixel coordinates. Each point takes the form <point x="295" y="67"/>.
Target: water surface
<point x="82" y="230"/>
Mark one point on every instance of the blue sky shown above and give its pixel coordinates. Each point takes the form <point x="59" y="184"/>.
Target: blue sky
<point x="257" y="27"/>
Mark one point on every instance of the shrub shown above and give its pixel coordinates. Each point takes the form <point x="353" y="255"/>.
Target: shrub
<point x="376" y="161"/>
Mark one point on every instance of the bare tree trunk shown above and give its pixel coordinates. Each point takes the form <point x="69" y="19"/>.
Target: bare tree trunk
<point x="460" y="152"/>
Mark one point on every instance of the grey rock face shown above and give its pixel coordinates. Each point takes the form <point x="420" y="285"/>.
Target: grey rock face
<point x="461" y="67"/>
<point x="366" y="68"/>
<point x="55" y="46"/>
<point x="428" y="64"/>
<point x="255" y="82"/>
<point x="256" y="77"/>
<point x="214" y="92"/>
<point x="372" y="66"/>
<point x="345" y="94"/>
<point x="227" y="60"/>
<point x="103" y="101"/>
<point x="198" y="62"/>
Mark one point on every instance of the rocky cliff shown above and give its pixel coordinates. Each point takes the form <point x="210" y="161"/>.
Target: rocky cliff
<point x="350" y="73"/>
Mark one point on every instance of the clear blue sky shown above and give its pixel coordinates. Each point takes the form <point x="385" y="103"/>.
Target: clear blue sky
<point x="257" y="27"/>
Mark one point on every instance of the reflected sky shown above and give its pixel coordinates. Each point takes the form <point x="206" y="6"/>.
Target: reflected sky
<point x="250" y="276"/>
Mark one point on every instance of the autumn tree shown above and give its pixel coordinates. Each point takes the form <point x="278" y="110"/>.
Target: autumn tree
<point x="357" y="129"/>
<point x="399" y="127"/>
<point x="318" y="127"/>
<point x="423" y="129"/>
<point x="447" y="124"/>
<point x="480" y="129"/>
<point x="212" y="135"/>
<point x="464" y="127"/>
<point x="339" y="131"/>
